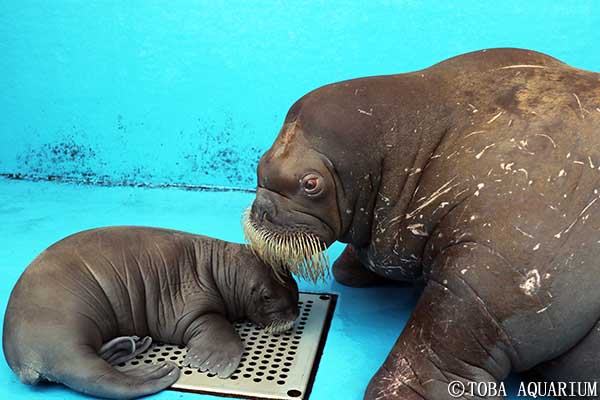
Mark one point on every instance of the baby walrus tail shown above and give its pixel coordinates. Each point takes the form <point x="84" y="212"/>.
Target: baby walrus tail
<point x="98" y="298"/>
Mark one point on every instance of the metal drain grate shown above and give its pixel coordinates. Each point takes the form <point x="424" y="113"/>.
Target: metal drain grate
<point x="274" y="366"/>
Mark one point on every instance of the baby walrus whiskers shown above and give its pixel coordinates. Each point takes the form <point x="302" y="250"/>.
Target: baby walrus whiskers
<point x="279" y="326"/>
<point x="301" y="253"/>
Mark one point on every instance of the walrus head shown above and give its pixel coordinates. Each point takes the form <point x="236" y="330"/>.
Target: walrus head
<point x="273" y="299"/>
<point x="310" y="184"/>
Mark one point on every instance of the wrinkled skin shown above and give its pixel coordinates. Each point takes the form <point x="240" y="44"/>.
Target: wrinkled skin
<point x="477" y="176"/>
<point x="121" y="286"/>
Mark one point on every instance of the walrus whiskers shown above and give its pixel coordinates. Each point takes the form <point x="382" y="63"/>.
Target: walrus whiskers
<point x="300" y="253"/>
<point x="279" y="326"/>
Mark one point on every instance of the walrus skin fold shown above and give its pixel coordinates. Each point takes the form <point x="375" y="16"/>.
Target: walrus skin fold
<point x="477" y="176"/>
<point x="122" y="286"/>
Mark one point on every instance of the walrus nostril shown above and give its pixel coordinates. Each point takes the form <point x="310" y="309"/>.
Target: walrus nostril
<point x="263" y="205"/>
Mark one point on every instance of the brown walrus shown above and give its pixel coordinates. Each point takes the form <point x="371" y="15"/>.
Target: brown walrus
<point x="114" y="285"/>
<point x="477" y="176"/>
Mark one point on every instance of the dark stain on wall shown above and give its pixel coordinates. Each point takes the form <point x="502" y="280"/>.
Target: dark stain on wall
<point x="220" y="152"/>
<point x="66" y="156"/>
<point x="216" y="156"/>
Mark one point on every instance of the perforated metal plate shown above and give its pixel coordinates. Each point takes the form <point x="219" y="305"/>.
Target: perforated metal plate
<point x="274" y="366"/>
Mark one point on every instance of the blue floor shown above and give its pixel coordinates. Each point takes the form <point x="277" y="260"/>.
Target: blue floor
<point x="33" y="215"/>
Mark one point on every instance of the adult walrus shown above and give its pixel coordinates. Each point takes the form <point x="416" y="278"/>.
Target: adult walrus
<point x="478" y="176"/>
<point x="104" y="283"/>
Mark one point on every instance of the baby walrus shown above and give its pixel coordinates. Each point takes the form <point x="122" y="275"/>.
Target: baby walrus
<point x="118" y="285"/>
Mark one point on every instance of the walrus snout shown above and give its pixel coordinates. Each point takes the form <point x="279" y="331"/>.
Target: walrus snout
<point x="280" y="320"/>
<point x="280" y="215"/>
<point x="263" y="208"/>
<point x="288" y="240"/>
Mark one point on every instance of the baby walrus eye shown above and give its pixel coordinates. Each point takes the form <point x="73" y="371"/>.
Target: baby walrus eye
<point x="266" y="297"/>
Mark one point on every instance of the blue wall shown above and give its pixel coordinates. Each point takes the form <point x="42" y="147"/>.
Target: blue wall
<point x="193" y="92"/>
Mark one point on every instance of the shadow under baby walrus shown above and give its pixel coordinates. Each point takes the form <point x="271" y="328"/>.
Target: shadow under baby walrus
<point x="92" y="299"/>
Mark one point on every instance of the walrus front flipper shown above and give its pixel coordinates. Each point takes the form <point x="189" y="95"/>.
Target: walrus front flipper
<point x="349" y="271"/>
<point x="213" y="346"/>
<point x="462" y="342"/>
<point x="86" y="372"/>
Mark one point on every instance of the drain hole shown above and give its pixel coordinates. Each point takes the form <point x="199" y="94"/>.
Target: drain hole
<point x="294" y="393"/>
<point x="281" y="382"/>
<point x="257" y="380"/>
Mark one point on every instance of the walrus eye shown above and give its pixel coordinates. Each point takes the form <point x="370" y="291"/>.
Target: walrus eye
<point x="266" y="297"/>
<point x="311" y="184"/>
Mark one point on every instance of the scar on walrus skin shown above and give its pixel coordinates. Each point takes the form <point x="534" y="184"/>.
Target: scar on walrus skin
<point x="98" y="298"/>
<point x="478" y="176"/>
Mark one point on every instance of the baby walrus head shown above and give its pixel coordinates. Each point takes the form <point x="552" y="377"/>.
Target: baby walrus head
<point x="265" y="296"/>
